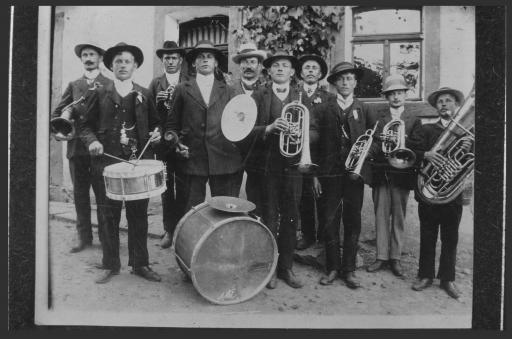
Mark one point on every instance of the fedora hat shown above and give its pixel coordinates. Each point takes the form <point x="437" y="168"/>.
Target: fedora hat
<point x="170" y="47"/>
<point x="315" y="57"/>
<point x="80" y="47"/>
<point x="203" y="46"/>
<point x="248" y="50"/>
<point x="122" y="47"/>
<point x="280" y="54"/>
<point x="432" y="98"/>
<point x="343" y="67"/>
<point x="394" y="82"/>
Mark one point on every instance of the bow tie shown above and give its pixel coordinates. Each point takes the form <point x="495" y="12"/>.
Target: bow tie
<point x="309" y="91"/>
<point x="281" y="90"/>
<point x="89" y="81"/>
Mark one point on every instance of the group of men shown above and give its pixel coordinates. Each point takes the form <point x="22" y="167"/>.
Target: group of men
<point x="187" y="110"/>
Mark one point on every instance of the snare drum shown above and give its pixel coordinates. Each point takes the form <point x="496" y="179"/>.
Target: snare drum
<point x="127" y="182"/>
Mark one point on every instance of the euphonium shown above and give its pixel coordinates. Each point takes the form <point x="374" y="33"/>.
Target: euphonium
<point x="393" y="145"/>
<point x="63" y="126"/>
<point x="440" y="185"/>
<point x="358" y="153"/>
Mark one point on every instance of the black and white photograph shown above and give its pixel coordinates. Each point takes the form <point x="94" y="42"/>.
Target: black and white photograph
<point x="256" y="166"/>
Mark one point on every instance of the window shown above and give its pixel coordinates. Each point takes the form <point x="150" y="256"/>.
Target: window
<point x="387" y="41"/>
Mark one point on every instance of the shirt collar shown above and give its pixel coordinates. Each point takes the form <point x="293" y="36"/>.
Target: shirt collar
<point x="91" y="75"/>
<point x="344" y="103"/>
<point x="396" y="112"/>
<point x="249" y="82"/>
<point x="172" y="78"/>
<point x="311" y="88"/>
<point x="204" y="79"/>
<point x="123" y="87"/>
<point x="444" y="122"/>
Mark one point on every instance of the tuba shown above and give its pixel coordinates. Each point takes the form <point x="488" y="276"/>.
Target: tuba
<point x="393" y="145"/>
<point x="358" y="153"/>
<point x="63" y="126"/>
<point x="296" y="139"/>
<point x="440" y="185"/>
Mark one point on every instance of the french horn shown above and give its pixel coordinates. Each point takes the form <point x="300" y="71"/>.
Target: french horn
<point x="440" y="185"/>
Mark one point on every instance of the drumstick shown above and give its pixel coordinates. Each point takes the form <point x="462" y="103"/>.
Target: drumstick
<point x="147" y="144"/>
<point x="114" y="157"/>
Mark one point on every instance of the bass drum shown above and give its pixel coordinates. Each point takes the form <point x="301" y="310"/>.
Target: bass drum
<point x="229" y="257"/>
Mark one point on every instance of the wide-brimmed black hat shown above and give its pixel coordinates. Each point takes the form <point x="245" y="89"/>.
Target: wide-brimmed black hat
<point x="281" y="54"/>
<point x="170" y="47"/>
<point x="315" y="57"/>
<point x="122" y="47"/>
<point x="203" y="46"/>
<point x="432" y="98"/>
<point x="344" y="67"/>
<point x="80" y="47"/>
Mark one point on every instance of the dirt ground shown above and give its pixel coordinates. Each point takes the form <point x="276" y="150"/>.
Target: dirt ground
<point x="382" y="294"/>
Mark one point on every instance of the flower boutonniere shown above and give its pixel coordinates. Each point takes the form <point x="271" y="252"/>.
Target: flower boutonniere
<point x="140" y="96"/>
<point x="317" y="100"/>
<point x="354" y="113"/>
<point x="97" y="84"/>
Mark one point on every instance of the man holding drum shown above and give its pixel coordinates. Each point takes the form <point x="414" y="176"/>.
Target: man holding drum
<point x="194" y="125"/>
<point x="77" y="153"/>
<point x="118" y="121"/>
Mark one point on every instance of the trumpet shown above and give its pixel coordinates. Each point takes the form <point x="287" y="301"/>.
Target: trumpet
<point x="169" y="91"/>
<point x="393" y="145"/>
<point x="63" y="126"/>
<point x="440" y="185"/>
<point x="358" y="153"/>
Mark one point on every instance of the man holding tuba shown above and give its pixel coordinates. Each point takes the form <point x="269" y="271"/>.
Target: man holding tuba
<point x="161" y="89"/>
<point x="77" y="154"/>
<point x="391" y="185"/>
<point x="433" y="217"/>
<point x="273" y="179"/>
<point x="338" y="123"/>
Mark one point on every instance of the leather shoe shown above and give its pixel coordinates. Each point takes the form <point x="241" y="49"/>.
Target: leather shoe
<point x="351" y="281"/>
<point x="147" y="273"/>
<point x="450" y="288"/>
<point x="272" y="283"/>
<point x="421" y="284"/>
<point x="166" y="241"/>
<point x="289" y="277"/>
<point x="106" y="276"/>
<point x="396" y="268"/>
<point x="377" y="265"/>
<point x="329" y="278"/>
<point x="80" y="245"/>
<point x="303" y="243"/>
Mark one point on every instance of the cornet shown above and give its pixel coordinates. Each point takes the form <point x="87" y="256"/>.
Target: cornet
<point x="393" y="145"/>
<point x="169" y="91"/>
<point x="358" y="153"/>
<point x="63" y="126"/>
<point x="440" y="185"/>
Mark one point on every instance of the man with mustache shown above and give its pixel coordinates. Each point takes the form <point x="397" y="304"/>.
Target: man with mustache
<point x="444" y="218"/>
<point x="249" y="59"/>
<point x="391" y="186"/>
<point x="161" y="89"/>
<point x="77" y="154"/>
<point x="119" y="106"/>
<point x="311" y="69"/>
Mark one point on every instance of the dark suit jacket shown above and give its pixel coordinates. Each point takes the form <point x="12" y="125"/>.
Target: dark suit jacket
<point x="163" y="149"/>
<point x="74" y="91"/>
<point x="381" y="169"/>
<point x="198" y="127"/>
<point x="101" y="121"/>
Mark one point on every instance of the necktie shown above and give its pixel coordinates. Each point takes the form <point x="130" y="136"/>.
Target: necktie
<point x="280" y="90"/>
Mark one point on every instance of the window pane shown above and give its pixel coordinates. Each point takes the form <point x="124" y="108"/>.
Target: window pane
<point x="370" y="57"/>
<point x="387" y="21"/>
<point x="405" y="60"/>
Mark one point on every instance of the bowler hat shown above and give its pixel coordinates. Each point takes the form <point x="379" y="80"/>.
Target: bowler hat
<point x="344" y="67"/>
<point x="281" y="54"/>
<point x="170" y="47"/>
<point x="315" y="57"/>
<point x="249" y="50"/>
<point x="394" y="82"/>
<point x="203" y="46"/>
<point x="432" y="98"/>
<point x="80" y="47"/>
<point x="122" y="47"/>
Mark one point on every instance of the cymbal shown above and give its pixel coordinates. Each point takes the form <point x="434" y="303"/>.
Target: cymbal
<point x="238" y="117"/>
<point x="231" y="204"/>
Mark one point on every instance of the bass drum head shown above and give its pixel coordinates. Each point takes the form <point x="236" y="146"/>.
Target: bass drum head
<point x="234" y="261"/>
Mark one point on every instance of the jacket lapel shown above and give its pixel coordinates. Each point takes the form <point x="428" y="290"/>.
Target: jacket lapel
<point x="217" y="90"/>
<point x="163" y="83"/>
<point x="111" y="94"/>
<point x="195" y="93"/>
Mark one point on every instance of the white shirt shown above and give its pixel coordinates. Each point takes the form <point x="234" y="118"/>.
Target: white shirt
<point x="281" y="96"/>
<point x="396" y="112"/>
<point x="173" y="79"/>
<point x="205" y="84"/>
<point x="91" y="75"/>
<point x="345" y="103"/>
<point x="248" y="83"/>
<point x="444" y="122"/>
<point x="310" y="89"/>
<point x="123" y="87"/>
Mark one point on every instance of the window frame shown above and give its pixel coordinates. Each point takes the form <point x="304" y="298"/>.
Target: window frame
<point x="386" y="39"/>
